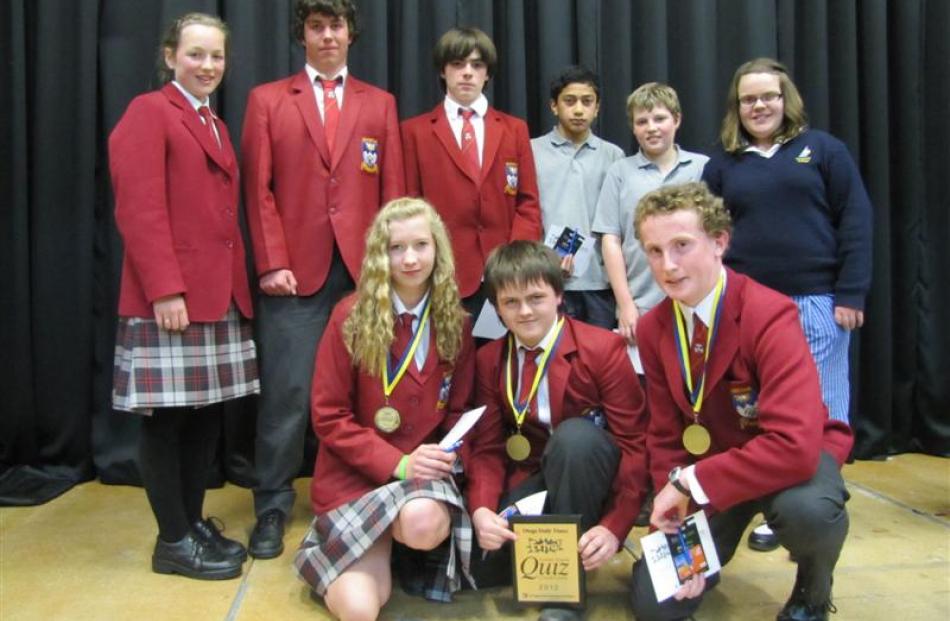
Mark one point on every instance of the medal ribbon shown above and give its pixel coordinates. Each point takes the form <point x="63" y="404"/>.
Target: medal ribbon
<point x="695" y="393"/>
<point x="391" y="378"/>
<point x="520" y="410"/>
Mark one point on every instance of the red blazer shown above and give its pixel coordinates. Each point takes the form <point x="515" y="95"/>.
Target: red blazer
<point x="480" y="213"/>
<point x="176" y="205"/>
<point x="760" y="345"/>
<point x="590" y="370"/>
<point x="355" y="457"/>
<point x="299" y="198"/>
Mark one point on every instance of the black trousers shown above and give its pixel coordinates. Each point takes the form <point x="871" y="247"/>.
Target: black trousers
<point x="288" y="330"/>
<point x="810" y="520"/>
<point x="578" y="467"/>
<point x="176" y="446"/>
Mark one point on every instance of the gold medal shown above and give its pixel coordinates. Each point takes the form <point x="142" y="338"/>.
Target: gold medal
<point x="387" y="419"/>
<point x="518" y="447"/>
<point x="696" y="439"/>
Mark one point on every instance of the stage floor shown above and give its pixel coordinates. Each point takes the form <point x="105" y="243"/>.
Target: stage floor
<point x="86" y="555"/>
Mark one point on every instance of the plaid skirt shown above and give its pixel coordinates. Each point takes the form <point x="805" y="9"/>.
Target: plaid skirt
<point x="208" y="363"/>
<point x="338" y="538"/>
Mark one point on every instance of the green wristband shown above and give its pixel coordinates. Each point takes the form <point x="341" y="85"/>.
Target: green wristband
<point x="402" y="467"/>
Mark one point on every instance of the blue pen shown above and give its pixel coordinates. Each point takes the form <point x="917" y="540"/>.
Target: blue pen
<point x="454" y="447"/>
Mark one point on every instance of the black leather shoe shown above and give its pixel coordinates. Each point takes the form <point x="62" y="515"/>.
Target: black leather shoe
<point x="559" y="614"/>
<point x="193" y="558"/>
<point x="267" y="539"/>
<point x="210" y="533"/>
<point x="797" y="610"/>
<point x="763" y="542"/>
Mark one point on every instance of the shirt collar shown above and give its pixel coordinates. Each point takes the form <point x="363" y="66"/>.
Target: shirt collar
<point x="399" y="306"/>
<point x="558" y="139"/>
<point x="546" y="342"/>
<point x="194" y="101"/>
<point x="764" y="152"/>
<point x="682" y="157"/>
<point x="313" y="74"/>
<point x="704" y="308"/>
<point x="480" y="106"/>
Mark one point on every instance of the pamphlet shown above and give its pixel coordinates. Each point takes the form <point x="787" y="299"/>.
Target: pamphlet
<point x="673" y="559"/>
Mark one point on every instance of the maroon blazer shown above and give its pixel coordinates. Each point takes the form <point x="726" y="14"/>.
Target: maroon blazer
<point x="300" y="198"/>
<point x="590" y="370"/>
<point x="355" y="457"/>
<point x="481" y="213"/>
<point x="176" y="195"/>
<point x="759" y="346"/>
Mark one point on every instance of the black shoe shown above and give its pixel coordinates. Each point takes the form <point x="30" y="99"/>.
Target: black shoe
<point x="267" y="540"/>
<point x="763" y="541"/>
<point x="193" y="558"/>
<point x="559" y="614"/>
<point x="210" y="533"/>
<point x="797" y="610"/>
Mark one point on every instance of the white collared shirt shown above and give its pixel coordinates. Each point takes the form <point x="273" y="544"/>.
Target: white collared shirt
<point x="543" y="395"/>
<point x="704" y="310"/>
<point x="197" y="103"/>
<point x="315" y="77"/>
<point x="422" y="351"/>
<point x="766" y="153"/>
<point x="480" y="107"/>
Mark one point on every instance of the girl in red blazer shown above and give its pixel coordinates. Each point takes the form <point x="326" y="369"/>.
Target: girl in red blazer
<point x="396" y="371"/>
<point x="183" y="338"/>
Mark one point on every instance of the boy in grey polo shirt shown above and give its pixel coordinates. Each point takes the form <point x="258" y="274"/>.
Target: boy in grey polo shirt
<point x="653" y="111"/>
<point x="571" y="163"/>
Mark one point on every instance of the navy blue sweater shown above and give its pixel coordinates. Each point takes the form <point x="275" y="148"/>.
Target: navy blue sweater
<point x="802" y="218"/>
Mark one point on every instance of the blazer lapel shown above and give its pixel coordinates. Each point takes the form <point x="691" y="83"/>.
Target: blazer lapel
<point x="352" y="105"/>
<point x="726" y="346"/>
<point x="670" y="358"/>
<point x="443" y="132"/>
<point x="492" y="139"/>
<point x="192" y="121"/>
<point x="559" y="372"/>
<point x="303" y="98"/>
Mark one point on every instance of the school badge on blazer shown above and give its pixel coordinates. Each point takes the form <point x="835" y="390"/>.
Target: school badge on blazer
<point x="444" y="390"/>
<point x="745" y="400"/>
<point x="370" y="155"/>
<point x="511" y="178"/>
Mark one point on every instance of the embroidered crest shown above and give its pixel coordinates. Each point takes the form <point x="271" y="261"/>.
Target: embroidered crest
<point x="370" y="153"/>
<point x="444" y="390"/>
<point x="804" y="157"/>
<point x="511" y="178"/>
<point x="746" y="402"/>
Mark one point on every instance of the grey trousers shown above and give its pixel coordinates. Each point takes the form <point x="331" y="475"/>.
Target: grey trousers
<point x="810" y="520"/>
<point x="578" y="467"/>
<point x="288" y="330"/>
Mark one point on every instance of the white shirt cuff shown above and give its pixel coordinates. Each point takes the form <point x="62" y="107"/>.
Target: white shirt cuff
<point x="689" y="473"/>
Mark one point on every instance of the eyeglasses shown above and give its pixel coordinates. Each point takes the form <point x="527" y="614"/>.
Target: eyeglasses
<point x="748" y="101"/>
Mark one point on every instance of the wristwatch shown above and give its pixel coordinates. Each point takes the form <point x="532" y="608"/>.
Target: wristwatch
<point x="675" y="481"/>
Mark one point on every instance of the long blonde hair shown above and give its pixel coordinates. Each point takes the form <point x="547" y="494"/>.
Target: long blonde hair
<point x="368" y="330"/>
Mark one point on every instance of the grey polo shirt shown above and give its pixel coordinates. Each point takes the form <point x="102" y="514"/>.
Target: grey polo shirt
<point x="569" y="183"/>
<point x="626" y="183"/>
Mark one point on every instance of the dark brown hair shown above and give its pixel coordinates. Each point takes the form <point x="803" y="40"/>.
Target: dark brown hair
<point x="519" y="264"/>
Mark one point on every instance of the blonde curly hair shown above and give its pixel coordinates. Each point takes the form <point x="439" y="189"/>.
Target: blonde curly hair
<point x="368" y="330"/>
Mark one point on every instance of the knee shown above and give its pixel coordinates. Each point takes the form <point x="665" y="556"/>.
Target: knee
<point x="423" y="524"/>
<point x="642" y="597"/>
<point x="356" y="607"/>
<point x="801" y="516"/>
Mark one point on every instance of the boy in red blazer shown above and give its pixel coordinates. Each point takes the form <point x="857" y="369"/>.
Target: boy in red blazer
<point x="472" y="162"/>
<point x="575" y="425"/>
<point x="737" y="424"/>
<point x="321" y="153"/>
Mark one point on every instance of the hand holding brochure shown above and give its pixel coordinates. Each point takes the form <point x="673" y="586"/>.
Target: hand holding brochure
<point x="529" y="505"/>
<point x="672" y="559"/>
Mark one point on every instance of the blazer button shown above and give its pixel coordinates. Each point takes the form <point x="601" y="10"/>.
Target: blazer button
<point x="332" y="210"/>
<point x="414" y="400"/>
<point x="229" y="243"/>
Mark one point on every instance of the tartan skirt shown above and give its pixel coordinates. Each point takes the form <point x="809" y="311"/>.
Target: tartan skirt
<point x="208" y="363"/>
<point x="338" y="538"/>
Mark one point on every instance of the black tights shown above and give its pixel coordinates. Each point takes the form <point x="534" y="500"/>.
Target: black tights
<point x="175" y="448"/>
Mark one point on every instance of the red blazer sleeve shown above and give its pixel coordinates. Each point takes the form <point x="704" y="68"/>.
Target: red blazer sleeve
<point x="487" y="461"/>
<point x="413" y="176"/>
<point x="137" y="158"/>
<point x="263" y="217"/>
<point x="394" y="181"/>
<point x="527" y="221"/>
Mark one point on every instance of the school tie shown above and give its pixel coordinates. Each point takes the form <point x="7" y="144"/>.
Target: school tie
<point x="697" y="348"/>
<point x="331" y="111"/>
<point x="402" y="334"/>
<point x="469" y="142"/>
<point x="205" y="113"/>
<point x="528" y="370"/>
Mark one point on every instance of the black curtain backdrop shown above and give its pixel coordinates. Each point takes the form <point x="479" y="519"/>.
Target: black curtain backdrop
<point x="875" y="73"/>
